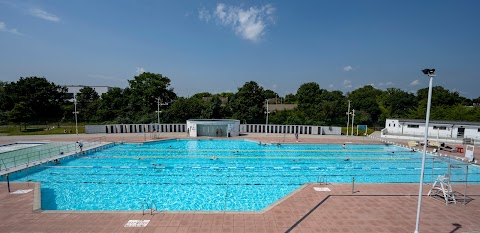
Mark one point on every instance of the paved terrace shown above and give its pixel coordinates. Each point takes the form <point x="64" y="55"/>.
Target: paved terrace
<point x="372" y="208"/>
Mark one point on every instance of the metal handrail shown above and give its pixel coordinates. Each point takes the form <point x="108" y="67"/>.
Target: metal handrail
<point x="16" y="160"/>
<point x="322" y="179"/>
<point x="151" y="207"/>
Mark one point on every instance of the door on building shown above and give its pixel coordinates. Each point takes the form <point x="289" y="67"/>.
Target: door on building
<point x="461" y="132"/>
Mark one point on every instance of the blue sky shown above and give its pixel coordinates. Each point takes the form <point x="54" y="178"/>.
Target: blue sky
<point x="217" y="46"/>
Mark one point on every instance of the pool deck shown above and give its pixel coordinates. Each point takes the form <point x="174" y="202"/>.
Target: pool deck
<point x="371" y="208"/>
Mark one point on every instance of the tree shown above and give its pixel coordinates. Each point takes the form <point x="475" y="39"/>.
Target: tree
<point x="87" y="103"/>
<point x="332" y="107"/>
<point x="365" y="99"/>
<point x="145" y="89"/>
<point x="248" y="103"/>
<point x="21" y="113"/>
<point x="440" y="97"/>
<point x="213" y="109"/>
<point x="309" y="98"/>
<point x="269" y="94"/>
<point x="395" y="103"/>
<point x="290" y="99"/>
<point x="183" y="109"/>
<point x="202" y="94"/>
<point x="45" y="99"/>
<point x="113" y="106"/>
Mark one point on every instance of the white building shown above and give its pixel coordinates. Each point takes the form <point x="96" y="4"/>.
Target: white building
<point x="436" y="129"/>
<point x="72" y="90"/>
<point x="213" y="127"/>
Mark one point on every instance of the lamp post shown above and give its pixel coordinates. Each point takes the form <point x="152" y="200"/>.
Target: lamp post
<point x="430" y="73"/>
<point x="75" y="112"/>
<point x="353" y="119"/>
<point x="348" y="116"/>
<point x="266" y="123"/>
<point x="158" y="111"/>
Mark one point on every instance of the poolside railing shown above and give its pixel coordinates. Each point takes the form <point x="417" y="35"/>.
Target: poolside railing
<point x="21" y="157"/>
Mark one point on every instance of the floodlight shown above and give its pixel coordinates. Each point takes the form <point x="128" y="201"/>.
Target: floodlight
<point x="429" y="72"/>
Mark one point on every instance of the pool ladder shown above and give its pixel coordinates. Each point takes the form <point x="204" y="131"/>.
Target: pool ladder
<point x="323" y="179"/>
<point x="147" y="207"/>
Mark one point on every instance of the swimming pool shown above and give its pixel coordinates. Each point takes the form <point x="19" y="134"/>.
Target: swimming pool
<point x="181" y="174"/>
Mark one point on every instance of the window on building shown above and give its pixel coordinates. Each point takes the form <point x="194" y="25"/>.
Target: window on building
<point x="394" y="125"/>
<point x="413" y="126"/>
<point x="478" y="130"/>
<point x="440" y="127"/>
<point x="388" y="124"/>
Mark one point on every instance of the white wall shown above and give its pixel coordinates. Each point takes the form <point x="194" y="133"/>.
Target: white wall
<point x="472" y="133"/>
<point x="393" y="126"/>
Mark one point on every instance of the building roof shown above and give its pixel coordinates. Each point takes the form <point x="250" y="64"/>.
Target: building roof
<point x="280" y="107"/>
<point x="439" y="122"/>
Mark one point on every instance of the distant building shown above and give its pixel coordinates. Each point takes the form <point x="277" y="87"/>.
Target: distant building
<point x="280" y="107"/>
<point x="72" y="90"/>
<point x="224" y="100"/>
<point x="441" y="129"/>
<point x="276" y="104"/>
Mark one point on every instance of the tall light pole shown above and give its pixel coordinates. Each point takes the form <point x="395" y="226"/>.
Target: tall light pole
<point x="158" y="111"/>
<point x="348" y="116"/>
<point x="430" y="73"/>
<point x="353" y="119"/>
<point x="75" y="112"/>
<point x="266" y="123"/>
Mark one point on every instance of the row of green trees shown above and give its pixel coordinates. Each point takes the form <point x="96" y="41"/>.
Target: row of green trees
<point x="35" y="100"/>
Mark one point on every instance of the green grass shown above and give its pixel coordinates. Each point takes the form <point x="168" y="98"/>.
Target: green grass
<point x="11" y="130"/>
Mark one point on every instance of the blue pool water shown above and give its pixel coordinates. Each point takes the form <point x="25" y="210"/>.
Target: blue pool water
<point x="181" y="175"/>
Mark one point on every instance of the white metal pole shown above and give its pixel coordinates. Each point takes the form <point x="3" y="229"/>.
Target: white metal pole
<point x="75" y="112"/>
<point x="427" y="119"/>
<point x="266" y="123"/>
<point x="348" y="116"/>
<point x="158" y="111"/>
<point x="353" y="119"/>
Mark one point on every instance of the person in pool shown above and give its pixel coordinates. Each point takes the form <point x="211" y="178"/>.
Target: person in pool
<point x="347" y="159"/>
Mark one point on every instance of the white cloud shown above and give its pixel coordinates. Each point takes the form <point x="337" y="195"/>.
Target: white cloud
<point x="347" y="83"/>
<point x="371" y="84"/>
<point x="249" y="23"/>
<point x="44" y="15"/>
<point x="385" y="84"/>
<point x="416" y="82"/>
<point x="331" y="85"/>
<point x="347" y="68"/>
<point x="203" y="14"/>
<point x="140" y="70"/>
<point x="4" y="28"/>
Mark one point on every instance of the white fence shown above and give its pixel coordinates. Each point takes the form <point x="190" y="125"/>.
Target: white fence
<point x="244" y="128"/>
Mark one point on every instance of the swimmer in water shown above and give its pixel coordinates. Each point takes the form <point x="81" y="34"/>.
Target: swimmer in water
<point x="347" y="159"/>
<point x="344" y="146"/>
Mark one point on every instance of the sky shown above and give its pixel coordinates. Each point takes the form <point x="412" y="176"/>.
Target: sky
<point x="218" y="46"/>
